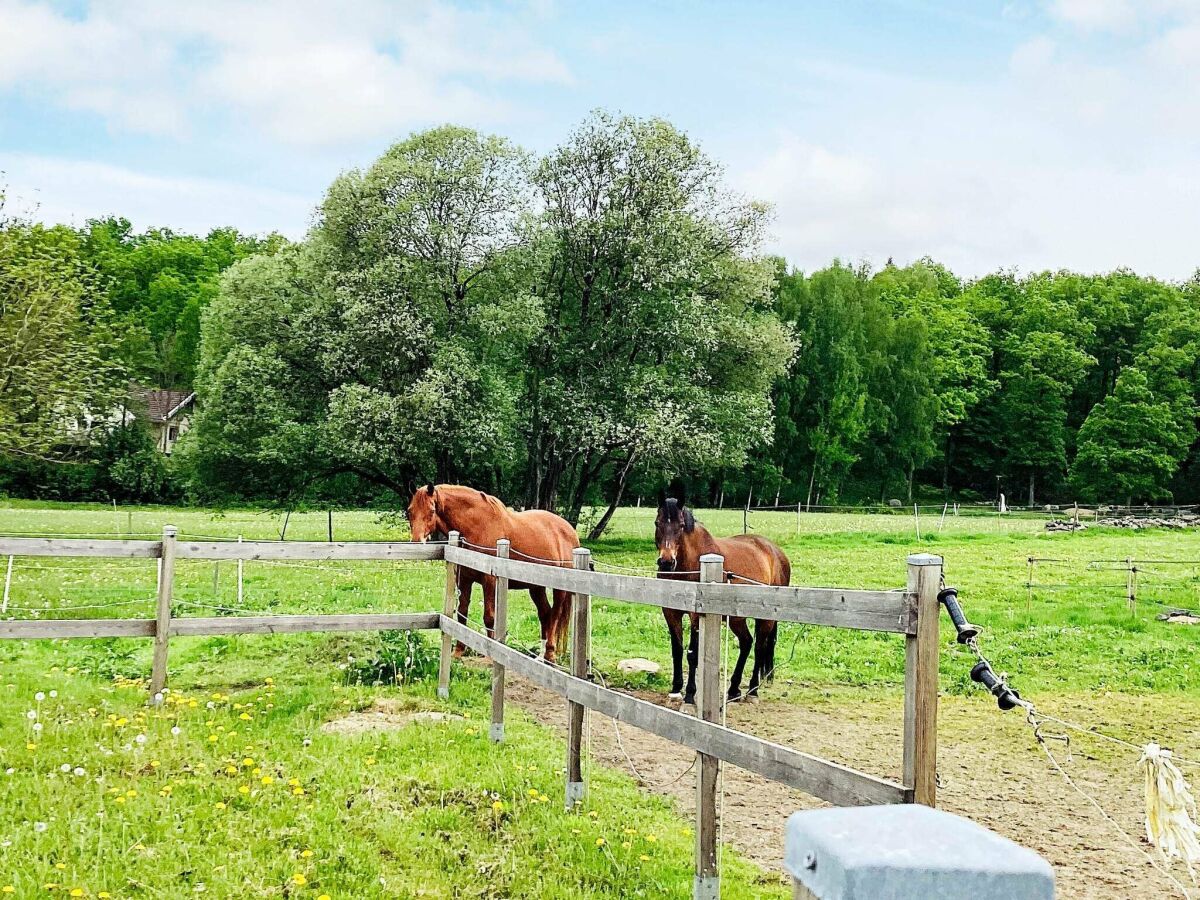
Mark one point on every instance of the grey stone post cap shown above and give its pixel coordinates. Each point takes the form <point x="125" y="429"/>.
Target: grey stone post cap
<point x="909" y="852"/>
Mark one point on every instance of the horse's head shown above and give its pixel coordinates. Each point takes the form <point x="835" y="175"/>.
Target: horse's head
<point x="424" y="517"/>
<point x="674" y="520"/>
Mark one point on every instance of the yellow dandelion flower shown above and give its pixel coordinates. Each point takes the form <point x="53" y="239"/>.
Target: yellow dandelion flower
<point x="298" y="791"/>
<point x="257" y="771"/>
<point x="644" y="858"/>
<point x="31" y="746"/>
<point x="299" y="878"/>
<point x="248" y="761"/>
<point x="60" y="866"/>
<point x="626" y="844"/>
<point x="600" y="842"/>
<point x="154" y="763"/>
<point x="497" y="806"/>
<point x="231" y="770"/>
<point x="533" y="792"/>
<point x="50" y="885"/>
<point x="294" y="782"/>
<point x="324" y="897"/>
<point x="245" y="717"/>
<point x="631" y="831"/>
<point x="243" y="789"/>
<point x="76" y="892"/>
<point x="370" y="760"/>
<point x="8" y="889"/>
<point x="131" y="793"/>
<point x="121" y="722"/>
<point x="212" y="738"/>
<point x="593" y="814"/>
<point x="269" y="680"/>
<point x="267" y="779"/>
<point x="576" y="831"/>
<point x="306" y="853"/>
<point x="104" y="895"/>
<point x="652" y="838"/>
<point x="220" y="805"/>
<point x="120" y="799"/>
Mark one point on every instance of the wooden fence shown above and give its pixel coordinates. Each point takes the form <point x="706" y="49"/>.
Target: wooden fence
<point x="912" y="612"/>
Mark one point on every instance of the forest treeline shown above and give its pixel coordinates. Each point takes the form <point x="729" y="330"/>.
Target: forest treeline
<point x="571" y="331"/>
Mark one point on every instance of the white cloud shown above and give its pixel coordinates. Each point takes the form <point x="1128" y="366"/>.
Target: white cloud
<point x="1109" y="15"/>
<point x="305" y="71"/>
<point x="71" y="191"/>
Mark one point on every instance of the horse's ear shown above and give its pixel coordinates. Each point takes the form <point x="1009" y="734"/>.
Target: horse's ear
<point x="689" y="521"/>
<point x="429" y="489"/>
<point x="662" y="498"/>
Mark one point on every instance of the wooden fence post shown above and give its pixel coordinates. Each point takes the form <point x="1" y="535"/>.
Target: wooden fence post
<point x="708" y="707"/>
<point x="500" y="632"/>
<point x="580" y="618"/>
<point x="162" y="619"/>
<point x="449" y="609"/>
<point x="921" y="681"/>
<point x="7" y="585"/>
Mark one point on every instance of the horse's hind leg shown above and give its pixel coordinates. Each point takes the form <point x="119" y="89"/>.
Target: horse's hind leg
<point x="675" y="628"/>
<point x="545" y="614"/>
<point x="764" y="654"/>
<point x="742" y="631"/>
<point x="489" y="605"/>
<point x="464" y="606"/>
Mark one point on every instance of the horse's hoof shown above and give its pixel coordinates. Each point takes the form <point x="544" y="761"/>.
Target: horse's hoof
<point x="675" y="695"/>
<point x="734" y="697"/>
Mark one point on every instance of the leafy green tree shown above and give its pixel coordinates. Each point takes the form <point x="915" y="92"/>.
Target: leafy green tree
<point x="56" y="370"/>
<point x="1132" y="442"/>
<point x="383" y="345"/>
<point x="659" y="347"/>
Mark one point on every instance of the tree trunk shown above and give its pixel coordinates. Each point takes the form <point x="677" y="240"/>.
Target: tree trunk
<point x="811" y="479"/>
<point x="1031" y="479"/>
<point x="598" y="530"/>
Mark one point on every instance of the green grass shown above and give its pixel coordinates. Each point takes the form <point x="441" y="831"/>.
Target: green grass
<point x="410" y="812"/>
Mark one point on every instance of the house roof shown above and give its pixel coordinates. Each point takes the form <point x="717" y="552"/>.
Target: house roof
<point x="161" y="405"/>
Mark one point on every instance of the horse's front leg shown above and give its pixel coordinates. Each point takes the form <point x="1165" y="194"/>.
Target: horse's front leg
<point x="693" y="657"/>
<point x="464" y="606"/>
<point x="489" y="605"/>
<point x="675" y="628"/>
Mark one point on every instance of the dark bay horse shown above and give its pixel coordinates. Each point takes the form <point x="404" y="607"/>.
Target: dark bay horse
<point x="536" y="536"/>
<point x="749" y="559"/>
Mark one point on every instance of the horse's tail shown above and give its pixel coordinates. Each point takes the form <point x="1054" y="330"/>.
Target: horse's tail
<point x="562" y="627"/>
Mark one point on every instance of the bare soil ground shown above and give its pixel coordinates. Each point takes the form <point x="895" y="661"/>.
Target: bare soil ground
<point x="990" y="770"/>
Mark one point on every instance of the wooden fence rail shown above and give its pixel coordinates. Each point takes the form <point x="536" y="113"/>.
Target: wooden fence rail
<point x="912" y="612"/>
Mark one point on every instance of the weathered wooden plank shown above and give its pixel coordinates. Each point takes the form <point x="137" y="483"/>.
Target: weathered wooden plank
<point x="24" y="546"/>
<point x="500" y="629"/>
<point x="76" y="628"/>
<point x="209" y="625"/>
<point x="889" y="611"/>
<point x="865" y="610"/>
<point x="343" y="550"/>
<point x="819" y="777"/>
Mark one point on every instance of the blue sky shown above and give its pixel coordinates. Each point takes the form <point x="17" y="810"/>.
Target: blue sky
<point x="1024" y="134"/>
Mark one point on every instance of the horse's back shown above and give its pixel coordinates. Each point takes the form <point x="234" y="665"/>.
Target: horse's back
<point x="757" y="558"/>
<point x="552" y="535"/>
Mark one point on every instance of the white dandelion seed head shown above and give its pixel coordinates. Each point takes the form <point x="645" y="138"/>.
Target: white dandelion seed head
<point x="31" y="714"/>
<point x="40" y="827"/>
<point x="80" y="772"/>
<point x="176" y="730"/>
<point x="37" y="726"/>
<point x="141" y="739"/>
<point x="53" y="694"/>
<point x="65" y="767"/>
<point x="39" y="696"/>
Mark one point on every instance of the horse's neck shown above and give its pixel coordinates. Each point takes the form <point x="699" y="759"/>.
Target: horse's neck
<point x="475" y="516"/>
<point x="697" y="543"/>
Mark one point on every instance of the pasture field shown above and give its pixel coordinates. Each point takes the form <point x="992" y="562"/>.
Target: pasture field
<point x="383" y="811"/>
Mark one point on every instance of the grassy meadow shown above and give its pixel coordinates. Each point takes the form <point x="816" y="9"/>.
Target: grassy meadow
<point x="233" y="787"/>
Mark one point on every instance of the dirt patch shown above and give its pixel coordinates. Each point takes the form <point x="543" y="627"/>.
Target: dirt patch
<point x="990" y="770"/>
<point x="384" y="715"/>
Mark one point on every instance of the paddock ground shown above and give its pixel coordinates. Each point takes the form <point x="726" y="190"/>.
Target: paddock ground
<point x="1068" y="637"/>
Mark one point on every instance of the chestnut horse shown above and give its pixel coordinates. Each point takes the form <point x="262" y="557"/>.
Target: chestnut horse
<point x="749" y="559"/>
<point x="536" y="536"/>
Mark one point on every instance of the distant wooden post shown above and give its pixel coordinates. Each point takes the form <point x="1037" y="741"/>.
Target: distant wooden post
<point x="7" y="584"/>
<point x="500" y="632"/>
<point x="917" y="520"/>
<point x="798" y="506"/>
<point x="449" y="609"/>
<point x="921" y="681"/>
<point x="329" y="512"/>
<point x="162" y="620"/>
<point x="708" y="707"/>
<point x="241" y="563"/>
<point x="576" y="714"/>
